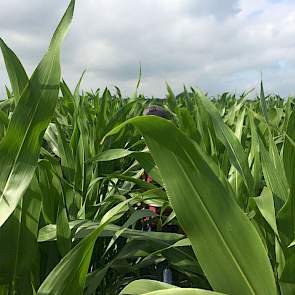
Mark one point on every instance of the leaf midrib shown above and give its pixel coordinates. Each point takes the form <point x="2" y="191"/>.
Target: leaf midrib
<point x="24" y="138"/>
<point x="212" y="220"/>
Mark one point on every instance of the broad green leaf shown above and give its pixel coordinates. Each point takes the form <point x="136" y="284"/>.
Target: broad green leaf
<point x="63" y="232"/>
<point x="145" y="286"/>
<point x="18" y="244"/>
<point x="273" y="177"/>
<point x="199" y="200"/>
<point x="265" y="204"/>
<point x="150" y="287"/>
<point x="82" y="228"/>
<point x="185" y="291"/>
<point x="149" y="166"/>
<point x="16" y="72"/>
<point x="277" y="160"/>
<point x="266" y="207"/>
<point x="51" y="138"/>
<point x="20" y="148"/>
<point x="112" y="154"/>
<point x="235" y="178"/>
<point x="236" y="152"/>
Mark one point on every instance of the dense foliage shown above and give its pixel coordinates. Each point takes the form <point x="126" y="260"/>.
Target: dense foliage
<point x="74" y="200"/>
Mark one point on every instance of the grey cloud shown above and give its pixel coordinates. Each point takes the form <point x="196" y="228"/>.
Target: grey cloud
<point x="32" y="15"/>
<point x="217" y="8"/>
<point x="211" y="44"/>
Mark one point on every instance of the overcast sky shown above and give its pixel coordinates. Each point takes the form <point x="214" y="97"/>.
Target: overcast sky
<point x="215" y="45"/>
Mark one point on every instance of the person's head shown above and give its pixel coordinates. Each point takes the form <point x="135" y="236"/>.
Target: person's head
<point x="156" y="110"/>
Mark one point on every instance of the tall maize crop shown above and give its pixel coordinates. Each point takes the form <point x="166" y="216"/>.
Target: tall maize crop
<point x="74" y="200"/>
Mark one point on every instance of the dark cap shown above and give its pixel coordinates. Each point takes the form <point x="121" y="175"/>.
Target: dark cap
<point x="156" y="111"/>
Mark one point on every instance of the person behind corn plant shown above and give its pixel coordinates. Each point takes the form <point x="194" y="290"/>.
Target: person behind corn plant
<point x="159" y="111"/>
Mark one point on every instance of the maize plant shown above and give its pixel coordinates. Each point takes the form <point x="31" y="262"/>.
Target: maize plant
<point x="99" y="196"/>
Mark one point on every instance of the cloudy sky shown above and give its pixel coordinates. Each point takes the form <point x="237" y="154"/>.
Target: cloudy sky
<point x="215" y="45"/>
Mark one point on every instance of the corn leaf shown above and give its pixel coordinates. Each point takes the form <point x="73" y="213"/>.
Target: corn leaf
<point x="18" y="244"/>
<point x="20" y="148"/>
<point x="200" y="201"/>
<point x="16" y="72"/>
<point x="235" y="150"/>
<point x="150" y="287"/>
<point x="185" y="291"/>
<point x="145" y="286"/>
<point x="69" y="275"/>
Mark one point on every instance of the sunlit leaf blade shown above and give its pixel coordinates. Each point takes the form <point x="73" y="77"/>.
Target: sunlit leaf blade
<point x="150" y="287"/>
<point x="216" y="183"/>
<point x="112" y="154"/>
<point x="85" y="227"/>
<point x="186" y="291"/>
<point x="145" y="286"/>
<point x="19" y="149"/>
<point x="16" y="72"/>
<point x="18" y="243"/>
<point x="200" y="201"/>
<point x="235" y="150"/>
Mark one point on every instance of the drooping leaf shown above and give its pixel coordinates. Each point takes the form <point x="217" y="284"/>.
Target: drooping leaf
<point x="69" y="276"/>
<point x="200" y="201"/>
<point x="150" y="287"/>
<point x="145" y="286"/>
<point x="185" y="291"/>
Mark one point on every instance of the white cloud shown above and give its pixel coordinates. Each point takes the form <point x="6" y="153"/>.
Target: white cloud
<point x="199" y="43"/>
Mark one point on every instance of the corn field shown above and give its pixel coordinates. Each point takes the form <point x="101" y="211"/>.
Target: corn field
<point x="75" y="202"/>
